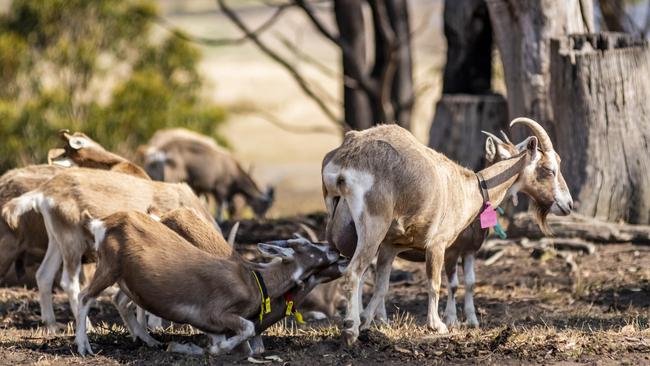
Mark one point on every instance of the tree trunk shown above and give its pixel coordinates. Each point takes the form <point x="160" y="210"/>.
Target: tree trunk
<point x="402" y="95"/>
<point x="614" y="17"/>
<point x="469" y="48"/>
<point x="523" y="29"/>
<point x="600" y="88"/>
<point x="459" y="119"/>
<point x="356" y="104"/>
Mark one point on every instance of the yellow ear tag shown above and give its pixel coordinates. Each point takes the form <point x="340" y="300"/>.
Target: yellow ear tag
<point x="289" y="307"/>
<point x="298" y="317"/>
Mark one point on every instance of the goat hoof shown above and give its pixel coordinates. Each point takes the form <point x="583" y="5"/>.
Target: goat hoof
<point x="452" y="322"/>
<point x="55" y="328"/>
<point x="472" y="323"/>
<point x="349" y="337"/>
<point x="439" y="328"/>
<point x="348" y="323"/>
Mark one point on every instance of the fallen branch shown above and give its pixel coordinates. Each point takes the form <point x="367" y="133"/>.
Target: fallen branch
<point x="577" y="226"/>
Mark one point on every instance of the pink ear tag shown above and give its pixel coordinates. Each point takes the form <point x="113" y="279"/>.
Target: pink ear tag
<point x="488" y="216"/>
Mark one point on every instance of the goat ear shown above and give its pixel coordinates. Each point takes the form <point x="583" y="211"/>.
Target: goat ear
<point x="490" y="149"/>
<point x="269" y="250"/>
<point x="77" y="142"/>
<point x="531" y="144"/>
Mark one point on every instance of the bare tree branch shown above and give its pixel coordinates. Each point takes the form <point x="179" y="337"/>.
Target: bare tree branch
<point x="217" y="42"/>
<point x="311" y="13"/>
<point x="361" y="78"/>
<point x="280" y="60"/>
<point x="306" y="57"/>
<point x="269" y="117"/>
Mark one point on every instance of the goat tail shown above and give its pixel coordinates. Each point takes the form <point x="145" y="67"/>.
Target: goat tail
<point x="95" y="226"/>
<point x="13" y="210"/>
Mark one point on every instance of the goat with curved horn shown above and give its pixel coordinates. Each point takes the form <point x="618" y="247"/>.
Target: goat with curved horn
<point x="539" y="132"/>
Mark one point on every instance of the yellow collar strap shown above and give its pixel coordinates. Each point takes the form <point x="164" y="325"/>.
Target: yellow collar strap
<point x="265" y="306"/>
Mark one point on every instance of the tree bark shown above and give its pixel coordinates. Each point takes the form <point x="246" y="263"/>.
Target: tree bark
<point x="522" y="30"/>
<point x="600" y="88"/>
<point x="459" y="119"/>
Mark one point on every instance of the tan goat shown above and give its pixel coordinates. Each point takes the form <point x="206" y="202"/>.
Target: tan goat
<point x="180" y="155"/>
<point x="30" y="235"/>
<point x="396" y="194"/>
<point x="168" y="276"/>
<point x="61" y="201"/>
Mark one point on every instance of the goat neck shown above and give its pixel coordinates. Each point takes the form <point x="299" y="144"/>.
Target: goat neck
<point x="498" y="178"/>
<point x="279" y="276"/>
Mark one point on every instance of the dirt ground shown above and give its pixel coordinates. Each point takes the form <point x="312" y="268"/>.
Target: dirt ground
<point x="533" y="309"/>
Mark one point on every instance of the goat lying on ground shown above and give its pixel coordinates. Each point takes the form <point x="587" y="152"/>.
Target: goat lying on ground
<point x="180" y="155"/>
<point x="168" y="276"/>
<point x="393" y="194"/>
<point x="84" y="152"/>
<point x="61" y="201"/>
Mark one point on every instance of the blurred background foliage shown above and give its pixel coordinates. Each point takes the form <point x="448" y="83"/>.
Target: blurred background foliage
<point x="94" y="66"/>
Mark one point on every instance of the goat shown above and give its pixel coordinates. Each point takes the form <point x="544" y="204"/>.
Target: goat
<point x="180" y="155"/>
<point x="397" y="195"/>
<point x="61" y="201"/>
<point x="465" y="246"/>
<point x="79" y="150"/>
<point x="84" y="152"/>
<point x="311" y="298"/>
<point x="30" y="235"/>
<point x="168" y="276"/>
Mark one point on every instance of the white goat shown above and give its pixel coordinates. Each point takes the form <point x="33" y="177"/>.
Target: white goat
<point x="387" y="193"/>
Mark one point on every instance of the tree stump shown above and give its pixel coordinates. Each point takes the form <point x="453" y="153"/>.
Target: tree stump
<point x="600" y="88"/>
<point x="457" y="125"/>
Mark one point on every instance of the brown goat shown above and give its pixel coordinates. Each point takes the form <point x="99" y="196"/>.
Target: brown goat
<point x="86" y="153"/>
<point x="180" y="155"/>
<point x="166" y="275"/>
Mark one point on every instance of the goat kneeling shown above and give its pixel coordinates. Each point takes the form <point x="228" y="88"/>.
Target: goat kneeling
<point x="166" y="275"/>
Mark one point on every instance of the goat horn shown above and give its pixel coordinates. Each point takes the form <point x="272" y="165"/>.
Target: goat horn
<point x="233" y="234"/>
<point x="310" y="233"/>
<point x="538" y="131"/>
<point x="498" y="140"/>
<point x="277" y="243"/>
<point x="505" y="137"/>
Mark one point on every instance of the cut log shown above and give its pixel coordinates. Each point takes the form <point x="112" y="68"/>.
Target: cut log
<point x="457" y="125"/>
<point x="600" y="89"/>
<point x="577" y="226"/>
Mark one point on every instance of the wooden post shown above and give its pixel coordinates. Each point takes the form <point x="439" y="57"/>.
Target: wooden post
<point x="456" y="129"/>
<point x="600" y="88"/>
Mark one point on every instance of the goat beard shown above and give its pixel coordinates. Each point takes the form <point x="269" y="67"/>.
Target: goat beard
<point x="541" y="214"/>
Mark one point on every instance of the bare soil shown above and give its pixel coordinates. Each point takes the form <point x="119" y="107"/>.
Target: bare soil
<point x="533" y="310"/>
